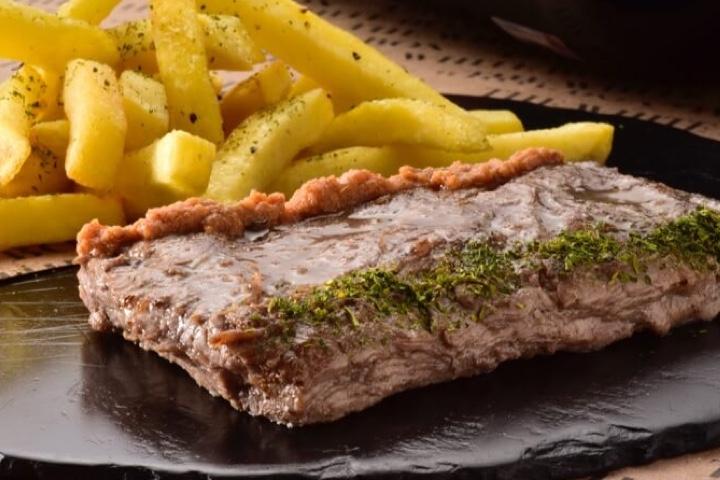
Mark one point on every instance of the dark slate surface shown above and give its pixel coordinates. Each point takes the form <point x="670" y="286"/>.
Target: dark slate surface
<point x="81" y="405"/>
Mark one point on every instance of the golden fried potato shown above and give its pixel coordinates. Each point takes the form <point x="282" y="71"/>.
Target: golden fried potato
<point x="336" y="59"/>
<point x="583" y="141"/>
<point x="264" y="89"/>
<point x="264" y="145"/>
<point x="52" y="136"/>
<point x="91" y="11"/>
<point x="577" y="141"/>
<point x="498" y="121"/>
<point x="34" y="36"/>
<point x="403" y="121"/>
<point x="227" y="44"/>
<point x="175" y="167"/>
<point x="94" y="106"/>
<point x="53" y="218"/>
<point x="42" y="173"/>
<point x="20" y="100"/>
<point x="382" y="160"/>
<point x="145" y="105"/>
<point x="183" y="67"/>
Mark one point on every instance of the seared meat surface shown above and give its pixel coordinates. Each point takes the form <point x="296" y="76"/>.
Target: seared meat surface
<point x="305" y="321"/>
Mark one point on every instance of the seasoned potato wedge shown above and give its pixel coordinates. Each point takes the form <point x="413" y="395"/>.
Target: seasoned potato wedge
<point x="20" y="100"/>
<point x="91" y="11"/>
<point x="44" y="170"/>
<point x="498" y="121"/>
<point x="302" y="84"/>
<point x="42" y="173"/>
<point x="227" y="44"/>
<point x="178" y="38"/>
<point x="336" y="59"/>
<point x="172" y="168"/>
<point x="383" y="160"/>
<point x="265" y="144"/>
<point x="406" y="122"/>
<point x="94" y="106"/>
<point x="577" y="141"/>
<point x="53" y="218"/>
<point x="145" y="105"/>
<point x="52" y="136"/>
<point x="34" y="36"/>
<point x="266" y="88"/>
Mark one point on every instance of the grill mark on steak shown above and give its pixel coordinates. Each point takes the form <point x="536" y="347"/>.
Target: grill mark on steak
<point x="206" y="318"/>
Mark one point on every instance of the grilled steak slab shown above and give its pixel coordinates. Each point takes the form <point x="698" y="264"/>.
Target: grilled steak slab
<point x="361" y="287"/>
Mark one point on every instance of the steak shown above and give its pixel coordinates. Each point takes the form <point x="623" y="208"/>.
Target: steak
<point x="361" y="287"/>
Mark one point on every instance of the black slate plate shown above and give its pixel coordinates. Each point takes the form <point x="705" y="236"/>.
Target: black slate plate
<point x="80" y="405"/>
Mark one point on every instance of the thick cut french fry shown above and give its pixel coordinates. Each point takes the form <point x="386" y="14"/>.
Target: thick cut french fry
<point x="94" y="106"/>
<point x="266" y="88"/>
<point x="20" y="99"/>
<point x="145" y="105"/>
<point x="182" y="64"/>
<point x="336" y="59"/>
<point x="91" y="11"/>
<point x="218" y="83"/>
<point x="52" y="137"/>
<point x="303" y="84"/>
<point x="265" y="144"/>
<point x="42" y="173"/>
<point x="405" y="122"/>
<point x="173" y="168"/>
<point x="53" y="218"/>
<point x="577" y="142"/>
<point x="383" y="160"/>
<point x="227" y="44"/>
<point x="36" y="37"/>
<point x="44" y="170"/>
<point x="498" y="121"/>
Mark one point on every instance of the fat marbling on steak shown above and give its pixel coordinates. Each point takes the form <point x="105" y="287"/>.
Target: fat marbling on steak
<point x="361" y="287"/>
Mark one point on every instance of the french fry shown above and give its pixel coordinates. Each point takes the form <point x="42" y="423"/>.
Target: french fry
<point x="266" y="88"/>
<point x="383" y="160"/>
<point x="227" y="44"/>
<point x="145" y="105"/>
<point x="336" y="59"/>
<point x="218" y="83"/>
<point x="173" y="168"/>
<point x="182" y="64"/>
<point x="265" y="144"/>
<point x="302" y="85"/>
<point x="91" y="11"/>
<point x="52" y="136"/>
<point x="577" y="141"/>
<point x="498" y="121"/>
<point x="94" y="106"/>
<point x="20" y="99"/>
<point x="406" y="122"/>
<point x="53" y="218"/>
<point x="34" y="36"/>
<point x="50" y="102"/>
<point x="42" y="173"/>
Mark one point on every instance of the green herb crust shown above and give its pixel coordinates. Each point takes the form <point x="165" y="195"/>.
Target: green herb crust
<point x="483" y="272"/>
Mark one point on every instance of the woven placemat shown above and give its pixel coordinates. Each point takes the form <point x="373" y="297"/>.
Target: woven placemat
<point x="460" y="55"/>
